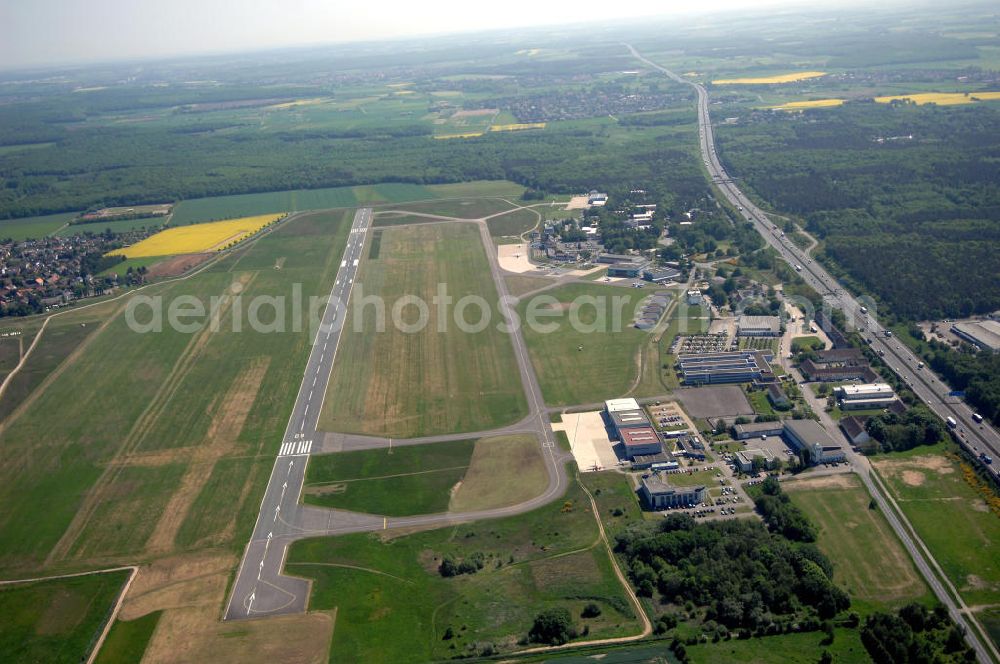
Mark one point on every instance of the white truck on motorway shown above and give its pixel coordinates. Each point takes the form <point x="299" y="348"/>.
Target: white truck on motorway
<point x="798" y="268"/>
<point x="977" y="417"/>
<point x="951" y="421"/>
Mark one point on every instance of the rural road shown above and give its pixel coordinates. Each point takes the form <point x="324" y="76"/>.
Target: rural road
<point x="931" y="390"/>
<point x="260" y="588"/>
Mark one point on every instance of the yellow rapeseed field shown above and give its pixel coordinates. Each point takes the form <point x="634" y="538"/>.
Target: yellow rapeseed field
<point x="470" y="134"/>
<point x="942" y="98"/>
<point x="518" y="126"/>
<point x="811" y="103"/>
<point x="763" y="80"/>
<point x="302" y="102"/>
<point x="198" y="238"/>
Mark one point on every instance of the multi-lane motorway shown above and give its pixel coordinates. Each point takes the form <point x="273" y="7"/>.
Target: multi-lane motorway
<point x="905" y="364"/>
<point x="977" y="437"/>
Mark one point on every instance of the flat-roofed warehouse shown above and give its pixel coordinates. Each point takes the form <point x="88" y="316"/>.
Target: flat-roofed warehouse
<point x="865" y="396"/>
<point x="641" y="441"/>
<point x="808" y="435"/>
<point x="728" y="367"/>
<point x="623" y="414"/>
<point x="744" y="459"/>
<point x="983" y="333"/>
<point x="757" y="429"/>
<point x="758" y="326"/>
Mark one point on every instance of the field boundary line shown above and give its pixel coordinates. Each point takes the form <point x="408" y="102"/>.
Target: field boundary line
<point x="647" y="626"/>
<point x="140" y="428"/>
<point x="385" y="477"/>
<point x="961" y="607"/>
<point x="209" y="263"/>
<point x="134" y="571"/>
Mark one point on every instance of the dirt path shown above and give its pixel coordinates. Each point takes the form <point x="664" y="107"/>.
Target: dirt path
<point x="136" y="435"/>
<point x="647" y="626"/>
<point x="112" y="616"/>
<point x="219" y="256"/>
<point x="67" y="362"/>
<point x="225" y="429"/>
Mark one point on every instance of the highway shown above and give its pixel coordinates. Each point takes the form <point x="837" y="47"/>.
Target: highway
<point x="924" y="384"/>
<point x="260" y="588"/>
<point x="977" y="437"/>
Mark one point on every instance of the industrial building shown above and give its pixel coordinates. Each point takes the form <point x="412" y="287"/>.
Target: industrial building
<point x="758" y="326"/>
<point x="776" y="395"/>
<point x="659" y="275"/>
<point x="641" y="441"/>
<point x="758" y="429"/>
<point x="744" y="459"/>
<point x="728" y="367"/>
<point x="597" y="198"/>
<point x="658" y="494"/>
<point x="631" y="426"/>
<point x="621" y="258"/>
<point x="983" y="333"/>
<point x="837" y="364"/>
<point x="854" y="428"/>
<point x="807" y="435"/>
<point x="655" y="462"/>
<point x="864" y="397"/>
<point x="629" y="270"/>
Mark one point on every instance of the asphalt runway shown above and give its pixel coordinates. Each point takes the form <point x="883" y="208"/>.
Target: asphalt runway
<point x="260" y="588"/>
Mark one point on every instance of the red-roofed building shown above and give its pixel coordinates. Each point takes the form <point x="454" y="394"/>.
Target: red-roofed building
<point x="641" y="441"/>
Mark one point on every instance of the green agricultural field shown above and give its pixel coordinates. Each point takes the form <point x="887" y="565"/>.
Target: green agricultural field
<point x="791" y="648"/>
<point x="850" y="533"/>
<point x="424" y="479"/>
<point x="515" y="222"/>
<point x="606" y="367"/>
<point x="504" y="470"/>
<point x="388" y="219"/>
<point x="166" y="407"/>
<point x="414" y="383"/>
<point x="616" y="500"/>
<point x="128" y="639"/>
<point x="197" y="210"/>
<point x="486" y="188"/>
<point x="34" y="227"/>
<point x="207" y="521"/>
<point x="393" y="605"/>
<point x="990" y="620"/>
<point x="119" y="226"/>
<point x="415" y="479"/>
<point x="950" y="517"/>
<point x="134" y="263"/>
<point x="61" y="337"/>
<point x="245" y="205"/>
<point x="56" y="620"/>
<point x="466" y="208"/>
<point x="518" y="285"/>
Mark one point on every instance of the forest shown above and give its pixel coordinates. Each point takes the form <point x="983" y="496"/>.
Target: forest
<point x="745" y="575"/>
<point x="903" y="197"/>
<point x="976" y="372"/>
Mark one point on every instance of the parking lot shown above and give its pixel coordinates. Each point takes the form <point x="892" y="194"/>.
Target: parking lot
<point x="719" y="401"/>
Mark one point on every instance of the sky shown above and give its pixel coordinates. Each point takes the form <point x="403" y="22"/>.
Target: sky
<point x="57" y="32"/>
